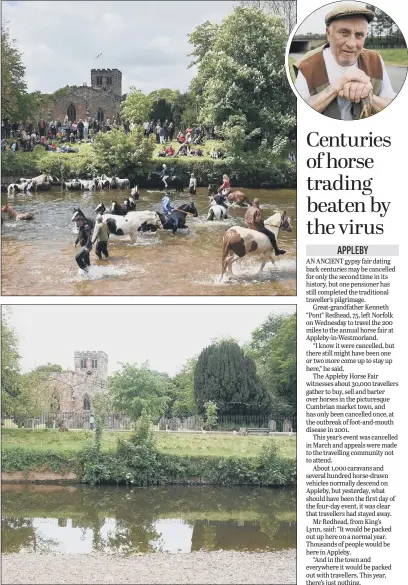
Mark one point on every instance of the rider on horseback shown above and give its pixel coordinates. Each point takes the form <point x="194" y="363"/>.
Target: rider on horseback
<point x="167" y="207"/>
<point x="253" y="219"/>
<point x="164" y="175"/>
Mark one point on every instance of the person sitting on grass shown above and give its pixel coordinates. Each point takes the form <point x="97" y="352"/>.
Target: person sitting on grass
<point x="181" y="138"/>
<point x="162" y="151"/>
<point x="170" y="151"/>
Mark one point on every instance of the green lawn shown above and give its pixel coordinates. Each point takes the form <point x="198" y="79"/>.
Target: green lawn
<point x="397" y="57"/>
<point x="171" y="443"/>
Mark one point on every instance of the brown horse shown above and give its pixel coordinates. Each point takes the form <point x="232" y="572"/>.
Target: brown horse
<point x="14" y="215"/>
<point x="238" y="197"/>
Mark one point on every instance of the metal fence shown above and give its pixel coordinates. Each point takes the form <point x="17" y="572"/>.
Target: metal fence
<point x="119" y="422"/>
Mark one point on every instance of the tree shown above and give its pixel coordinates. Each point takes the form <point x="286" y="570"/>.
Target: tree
<point x="211" y="416"/>
<point x="10" y="367"/>
<point x="226" y="376"/>
<point x="241" y="80"/>
<point x="38" y="393"/>
<point x="134" y="389"/>
<point x="123" y="154"/>
<point x="50" y="368"/>
<point x="285" y="9"/>
<point x="273" y="347"/>
<point x="137" y="106"/>
<point x="184" y="402"/>
<point x="13" y="85"/>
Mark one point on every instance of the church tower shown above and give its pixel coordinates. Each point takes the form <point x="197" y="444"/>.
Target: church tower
<point x="92" y="363"/>
<point x="110" y="80"/>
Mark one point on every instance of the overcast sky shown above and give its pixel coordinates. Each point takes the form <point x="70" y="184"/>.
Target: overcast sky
<point x="147" y="41"/>
<point x="164" y="335"/>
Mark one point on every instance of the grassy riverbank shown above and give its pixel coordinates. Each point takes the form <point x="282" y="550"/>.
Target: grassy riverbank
<point x="215" y="459"/>
<point x="397" y="57"/>
<point x="209" y="445"/>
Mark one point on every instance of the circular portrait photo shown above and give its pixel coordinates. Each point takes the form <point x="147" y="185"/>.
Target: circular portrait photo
<point x="348" y="61"/>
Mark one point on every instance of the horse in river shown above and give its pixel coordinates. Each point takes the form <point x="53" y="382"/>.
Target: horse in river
<point x="177" y="218"/>
<point x="132" y="223"/>
<point x="174" y="182"/>
<point x="135" y="193"/>
<point x="14" y="215"/>
<point x="239" y="241"/>
<point x="116" y="208"/>
<point x="217" y="212"/>
<point x="238" y="197"/>
<point x="78" y="214"/>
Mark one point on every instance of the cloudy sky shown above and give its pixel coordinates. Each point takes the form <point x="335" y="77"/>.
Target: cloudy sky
<point x="164" y="335"/>
<point x="147" y="41"/>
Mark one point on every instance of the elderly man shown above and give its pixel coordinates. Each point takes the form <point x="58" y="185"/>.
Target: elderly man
<point x="341" y="79"/>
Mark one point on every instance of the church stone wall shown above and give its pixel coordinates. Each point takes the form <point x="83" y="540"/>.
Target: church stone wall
<point x="85" y="99"/>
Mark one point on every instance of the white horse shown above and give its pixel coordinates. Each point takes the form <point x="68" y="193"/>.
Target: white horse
<point x="217" y="212"/>
<point x="239" y="241"/>
<point x="132" y="223"/>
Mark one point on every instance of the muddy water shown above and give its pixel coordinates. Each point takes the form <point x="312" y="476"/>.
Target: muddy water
<point x="38" y="256"/>
<point x="78" y="520"/>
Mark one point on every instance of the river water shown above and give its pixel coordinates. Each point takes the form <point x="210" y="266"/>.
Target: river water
<point x="38" y="256"/>
<point x="176" y="519"/>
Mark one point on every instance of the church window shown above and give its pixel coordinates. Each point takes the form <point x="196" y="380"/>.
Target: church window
<point x="83" y="364"/>
<point x="71" y="113"/>
<point x="101" y="115"/>
<point x="109" y="81"/>
<point x="99" y="80"/>
<point x="87" y="402"/>
<point x="94" y="364"/>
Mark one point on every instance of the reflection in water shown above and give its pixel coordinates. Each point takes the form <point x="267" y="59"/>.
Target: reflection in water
<point x="146" y="520"/>
<point x="38" y="256"/>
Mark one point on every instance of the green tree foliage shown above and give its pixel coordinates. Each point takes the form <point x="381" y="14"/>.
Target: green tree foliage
<point x="13" y="85"/>
<point x="241" y="80"/>
<point x="137" y="106"/>
<point x="38" y="393"/>
<point x="10" y="367"/>
<point x="183" y="382"/>
<point x="49" y="368"/>
<point x="273" y="347"/>
<point x="123" y="154"/>
<point x="163" y="104"/>
<point x="226" y="376"/>
<point x="134" y="389"/>
<point x="211" y="416"/>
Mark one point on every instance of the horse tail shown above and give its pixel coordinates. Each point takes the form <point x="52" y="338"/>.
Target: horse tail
<point x="211" y="215"/>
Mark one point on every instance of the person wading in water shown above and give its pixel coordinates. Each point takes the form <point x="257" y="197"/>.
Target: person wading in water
<point x="83" y="257"/>
<point x="101" y="233"/>
<point x="253" y="219"/>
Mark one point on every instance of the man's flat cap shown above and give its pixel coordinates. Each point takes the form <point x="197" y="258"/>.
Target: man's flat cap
<point x="346" y="10"/>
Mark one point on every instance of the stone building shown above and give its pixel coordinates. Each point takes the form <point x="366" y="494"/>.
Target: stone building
<point x="99" y="101"/>
<point x="75" y="389"/>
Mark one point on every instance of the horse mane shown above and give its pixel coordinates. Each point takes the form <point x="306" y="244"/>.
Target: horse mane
<point x="275" y="219"/>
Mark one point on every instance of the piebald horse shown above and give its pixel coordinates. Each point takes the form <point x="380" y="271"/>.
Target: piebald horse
<point x="239" y="241"/>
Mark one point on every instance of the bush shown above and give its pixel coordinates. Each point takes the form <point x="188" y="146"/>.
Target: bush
<point x="89" y="162"/>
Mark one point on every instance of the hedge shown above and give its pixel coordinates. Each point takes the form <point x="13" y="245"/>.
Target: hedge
<point x="280" y="174"/>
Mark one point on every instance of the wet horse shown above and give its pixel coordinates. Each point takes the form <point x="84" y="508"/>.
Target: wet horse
<point x="239" y="241"/>
<point x="78" y="214"/>
<point x="238" y="197"/>
<point x="14" y="215"/>
<point x="177" y="218"/>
